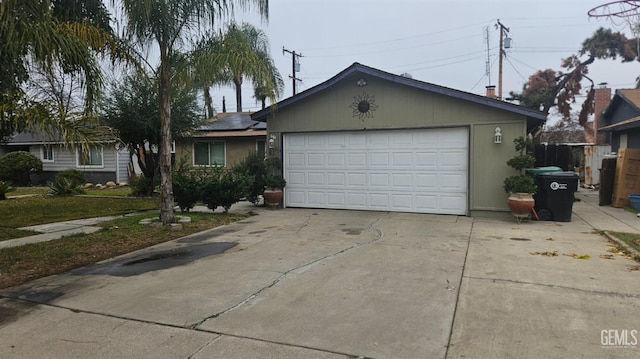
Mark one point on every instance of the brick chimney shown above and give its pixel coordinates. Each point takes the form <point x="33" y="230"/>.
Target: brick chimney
<point x="601" y="101"/>
<point x="491" y="91"/>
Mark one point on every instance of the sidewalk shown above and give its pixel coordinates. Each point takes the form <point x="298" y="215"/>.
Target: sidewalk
<point x="605" y="218"/>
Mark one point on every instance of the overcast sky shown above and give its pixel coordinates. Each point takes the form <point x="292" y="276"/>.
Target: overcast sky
<point x="441" y="42"/>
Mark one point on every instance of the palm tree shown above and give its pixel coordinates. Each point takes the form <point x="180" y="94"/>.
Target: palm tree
<point x="169" y="24"/>
<point x="52" y="38"/>
<point x="272" y="87"/>
<point x="243" y="51"/>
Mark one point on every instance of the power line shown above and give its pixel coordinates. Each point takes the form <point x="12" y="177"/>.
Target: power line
<point x="392" y="40"/>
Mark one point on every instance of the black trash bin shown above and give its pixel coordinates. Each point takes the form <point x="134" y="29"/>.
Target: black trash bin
<point x="555" y="196"/>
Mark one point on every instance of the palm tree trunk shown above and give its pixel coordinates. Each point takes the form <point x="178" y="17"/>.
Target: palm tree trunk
<point x="238" y="84"/>
<point x="164" y="94"/>
<point x="208" y="101"/>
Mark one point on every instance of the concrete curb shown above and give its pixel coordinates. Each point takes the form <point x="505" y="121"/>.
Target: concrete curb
<point x="632" y="252"/>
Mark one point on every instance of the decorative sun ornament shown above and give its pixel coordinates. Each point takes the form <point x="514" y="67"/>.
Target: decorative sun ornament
<point x="363" y="106"/>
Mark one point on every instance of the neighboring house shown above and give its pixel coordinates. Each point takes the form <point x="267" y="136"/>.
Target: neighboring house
<point x="224" y="141"/>
<point x="104" y="162"/>
<point x="622" y="119"/>
<point x="371" y="140"/>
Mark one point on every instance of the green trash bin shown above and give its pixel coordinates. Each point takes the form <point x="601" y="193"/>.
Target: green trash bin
<point x="534" y="172"/>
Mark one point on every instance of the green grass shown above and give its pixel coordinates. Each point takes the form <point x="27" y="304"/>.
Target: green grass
<point x="35" y="190"/>
<point x="116" y="191"/>
<point x="632" y="239"/>
<point x="22" y="264"/>
<point x="24" y="191"/>
<point x="10" y="233"/>
<point x="28" y="211"/>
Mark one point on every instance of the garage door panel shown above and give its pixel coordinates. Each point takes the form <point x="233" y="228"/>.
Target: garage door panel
<point x="315" y="160"/>
<point x="453" y="182"/>
<point x="448" y="160"/>
<point x="402" y="159"/>
<point x="402" y="202"/>
<point x="357" y="200"/>
<point x="379" y="160"/>
<point x="426" y="203"/>
<point x="356" y="179"/>
<point x="336" y="159"/>
<point x="295" y="159"/>
<point x="425" y="181"/>
<point x="378" y="139"/>
<point x="315" y="179"/>
<point x="396" y="170"/>
<point x="316" y="198"/>
<point x="336" y="179"/>
<point x="357" y="159"/>
<point x="336" y="199"/>
<point x="296" y="178"/>
<point x="357" y="140"/>
<point x="401" y="140"/>
<point x="379" y="180"/>
<point x="402" y="180"/>
<point x="336" y="140"/>
<point x="379" y="200"/>
<point x="427" y="160"/>
<point x="296" y="198"/>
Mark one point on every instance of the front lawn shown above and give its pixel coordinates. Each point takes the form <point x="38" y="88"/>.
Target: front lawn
<point x="28" y="211"/>
<point x="123" y="235"/>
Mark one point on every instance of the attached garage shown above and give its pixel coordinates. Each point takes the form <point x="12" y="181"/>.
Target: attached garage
<point x="424" y="171"/>
<point x="370" y="140"/>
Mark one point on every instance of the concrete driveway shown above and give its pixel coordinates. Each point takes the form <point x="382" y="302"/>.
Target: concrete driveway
<point x="339" y="284"/>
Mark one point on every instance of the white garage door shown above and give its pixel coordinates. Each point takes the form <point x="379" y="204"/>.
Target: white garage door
<point x="422" y="171"/>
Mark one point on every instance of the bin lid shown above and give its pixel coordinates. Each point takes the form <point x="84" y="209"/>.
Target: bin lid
<point x="539" y="170"/>
<point x="565" y="174"/>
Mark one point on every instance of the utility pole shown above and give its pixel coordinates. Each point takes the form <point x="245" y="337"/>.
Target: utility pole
<point x="503" y="30"/>
<point x="295" y="66"/>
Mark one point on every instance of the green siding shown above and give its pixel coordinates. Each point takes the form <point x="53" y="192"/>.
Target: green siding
<point x="402" y="107"/>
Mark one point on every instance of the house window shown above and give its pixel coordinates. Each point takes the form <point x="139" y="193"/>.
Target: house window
<point x="47" y="153"/>
<point x="209" y="153"/>
<point x="260" y="146"/>
<point x="92" y="158"/>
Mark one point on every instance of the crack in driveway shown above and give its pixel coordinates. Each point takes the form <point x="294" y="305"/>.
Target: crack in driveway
<point x="376" y="233"/>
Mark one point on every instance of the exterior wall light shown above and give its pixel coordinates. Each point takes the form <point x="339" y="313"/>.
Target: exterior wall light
<point x="497" y="136"/>
<point x="361" y="83"/>
<point x="272" y="141"/>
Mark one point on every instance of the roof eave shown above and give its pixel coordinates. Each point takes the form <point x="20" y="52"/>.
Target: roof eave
<point x="538" y="116"/>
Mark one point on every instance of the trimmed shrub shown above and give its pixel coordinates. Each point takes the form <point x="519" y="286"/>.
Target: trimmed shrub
<point x="187" y="185"/>
<point x="255" y="167"/>
<point x="224" y="188"/>
<point x="142" y="186"/>
<point x="17" y="167"/>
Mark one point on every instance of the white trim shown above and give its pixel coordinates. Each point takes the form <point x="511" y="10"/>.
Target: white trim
<point x="43" y="151"/>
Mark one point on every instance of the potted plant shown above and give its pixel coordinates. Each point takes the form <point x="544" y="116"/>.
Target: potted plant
<point x="520" y="187"/>
<point x="274" y="183"/>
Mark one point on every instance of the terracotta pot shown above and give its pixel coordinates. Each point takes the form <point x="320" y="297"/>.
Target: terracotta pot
<point x="272" y="197"/>
<point x="521" y="204"/>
